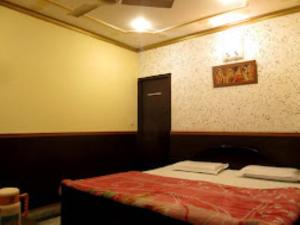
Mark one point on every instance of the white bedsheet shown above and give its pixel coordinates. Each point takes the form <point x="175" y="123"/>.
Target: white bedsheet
<point x="228" y="177"/>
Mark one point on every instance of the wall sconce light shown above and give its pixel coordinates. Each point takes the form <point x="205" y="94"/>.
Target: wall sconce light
<point x="233" y="45"/>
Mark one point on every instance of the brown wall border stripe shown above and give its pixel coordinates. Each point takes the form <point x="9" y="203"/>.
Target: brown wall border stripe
<point x="173" y="133"/>
<point x="251" y="20"/>
<point x="65" y="134"/>
<point x="250" y="134"/>
<point x="64" y="24"/>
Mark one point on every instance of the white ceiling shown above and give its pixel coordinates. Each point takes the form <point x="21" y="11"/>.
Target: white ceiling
<point x="161" y="18"/>
<point x="184" y="18"/>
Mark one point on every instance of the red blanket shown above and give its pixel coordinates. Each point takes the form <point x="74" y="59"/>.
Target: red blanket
<point x="197" y="202"/>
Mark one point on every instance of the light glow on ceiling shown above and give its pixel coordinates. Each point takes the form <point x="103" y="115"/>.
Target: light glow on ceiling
<point x="227" y="18"/>
<point x="140" y="24"/>
<point x="232" y="2"/>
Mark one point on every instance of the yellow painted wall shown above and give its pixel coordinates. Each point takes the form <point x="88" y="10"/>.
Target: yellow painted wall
<point x="55" y="80"/>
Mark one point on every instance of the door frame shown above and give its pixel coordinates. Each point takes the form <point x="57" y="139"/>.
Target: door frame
<point x="140" y="98"/>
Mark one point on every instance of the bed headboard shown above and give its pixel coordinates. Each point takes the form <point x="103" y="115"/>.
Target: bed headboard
<point x="236" y="156"/>
<point x="238" y="149"/>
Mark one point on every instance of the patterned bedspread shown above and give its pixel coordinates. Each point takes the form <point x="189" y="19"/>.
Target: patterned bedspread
<point x="197" y="202"/>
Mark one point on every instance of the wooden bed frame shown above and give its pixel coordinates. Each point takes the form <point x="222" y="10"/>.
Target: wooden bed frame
<point x="80" y="208"/>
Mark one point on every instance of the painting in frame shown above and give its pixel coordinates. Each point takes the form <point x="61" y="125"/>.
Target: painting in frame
<point x="235" y="74"/>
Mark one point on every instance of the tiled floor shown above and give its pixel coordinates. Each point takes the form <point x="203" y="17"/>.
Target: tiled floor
<point x="46" y="215"/>
<point x="53" y="221"/>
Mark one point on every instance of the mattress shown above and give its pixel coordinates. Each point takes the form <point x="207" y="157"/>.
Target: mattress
<point x="184" y="202"/>
<point x="193" y="201"/>
<point x="227" y="177"/>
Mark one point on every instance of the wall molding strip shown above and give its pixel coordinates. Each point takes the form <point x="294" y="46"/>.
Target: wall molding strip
<point x="173" y="133"/>
<point x="250" y="20"/>
<point x="64" y="24"/>
<point x="65" y="134"/>
<point x="250" y="134"/>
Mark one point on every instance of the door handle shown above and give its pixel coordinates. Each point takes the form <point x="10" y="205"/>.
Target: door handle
<point x="154" y="94"/>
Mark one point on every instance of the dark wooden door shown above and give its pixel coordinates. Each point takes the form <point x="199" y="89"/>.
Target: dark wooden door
<point x="154" y="119"/>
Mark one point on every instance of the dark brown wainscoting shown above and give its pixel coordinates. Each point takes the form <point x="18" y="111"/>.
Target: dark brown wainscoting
<point x="38" y="162"/>
<point x="281" y="148"/>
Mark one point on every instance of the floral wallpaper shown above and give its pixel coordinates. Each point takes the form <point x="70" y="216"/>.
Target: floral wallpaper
<point x="272" y="105"/>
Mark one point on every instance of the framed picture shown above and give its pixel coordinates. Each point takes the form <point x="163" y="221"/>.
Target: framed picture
<point x="235" y="74"/>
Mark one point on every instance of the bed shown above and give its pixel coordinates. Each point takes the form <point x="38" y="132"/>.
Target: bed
<point x="81" y="205"/>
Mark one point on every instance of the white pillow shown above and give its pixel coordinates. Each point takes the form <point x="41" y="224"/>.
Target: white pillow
<point x="200" y="167"/>
<point x="271" y="173"/>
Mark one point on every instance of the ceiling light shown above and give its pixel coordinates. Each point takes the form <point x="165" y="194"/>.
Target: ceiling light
<point x="140" y="24"/>
<point x="227" y="18"/>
